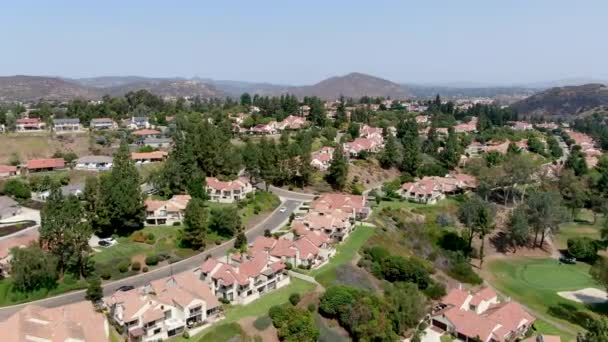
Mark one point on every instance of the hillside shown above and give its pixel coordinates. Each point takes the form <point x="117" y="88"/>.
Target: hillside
<point x="32" y="88"/>
<point x="353" y="85"/>
<point x="166" y="87"/>
<point x="564" y="101"/>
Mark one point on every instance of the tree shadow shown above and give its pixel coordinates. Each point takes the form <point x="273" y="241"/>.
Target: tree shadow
<point x="570" y="313"/>
<point x="500" y="242"/>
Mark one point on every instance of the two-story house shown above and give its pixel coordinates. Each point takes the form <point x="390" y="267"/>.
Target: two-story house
<point x="166" y="212"/>
<point x="29" y="125"/>
<point x="94" y="163"/>
<point x="229" y="191"/>
<point x="102" y="124"/>
<point x="67" y="125"/>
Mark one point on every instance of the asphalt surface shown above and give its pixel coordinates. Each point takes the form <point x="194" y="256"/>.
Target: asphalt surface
<point x="291" y="201"/>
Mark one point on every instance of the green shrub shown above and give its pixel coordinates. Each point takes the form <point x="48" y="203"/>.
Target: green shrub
<point x="262" y="323"/>
<point x="136" y="266"/>
<point x="294" y="298"/>
<point x="583" y="248"/>
<point x="312" y="307"/>
<point x="123" y="266"/>
<point x="152" y="260"/>
<point x="105" y="274"/>
<point x="145" y="269"/>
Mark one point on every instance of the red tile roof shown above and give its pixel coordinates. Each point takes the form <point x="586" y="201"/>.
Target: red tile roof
<point x="142" y="132"/>
<point x="8" y="168"/>
<point x="45" y="163"/>
<point x="217" y="184"/>
<point x="148" y="155"/>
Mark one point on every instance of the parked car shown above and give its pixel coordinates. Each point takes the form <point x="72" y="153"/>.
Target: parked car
<point x="107" y="242"/>
<point x="567" y="259"/>
<point x="283" y="209"/>
<point x="125" y="288"/>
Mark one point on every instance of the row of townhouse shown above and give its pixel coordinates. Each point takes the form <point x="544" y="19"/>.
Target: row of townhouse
<point x="480" y="316"/>
<point x="228" y="191"/>
<point x="429" y="190"/>
<point x="164" y="308"/>
<point x="242" y="278"/>
<point x="291" y="122"/>
<point x="370" y="140"/>
<point x="65" y="125"/>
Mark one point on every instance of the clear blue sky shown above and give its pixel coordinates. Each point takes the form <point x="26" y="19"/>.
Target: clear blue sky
<point x="301" y="42"/>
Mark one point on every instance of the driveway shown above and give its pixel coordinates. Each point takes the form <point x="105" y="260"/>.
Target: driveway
<point x="275" y="220"/>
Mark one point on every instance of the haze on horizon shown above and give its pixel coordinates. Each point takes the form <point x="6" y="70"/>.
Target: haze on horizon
<point x="475" y="42"/>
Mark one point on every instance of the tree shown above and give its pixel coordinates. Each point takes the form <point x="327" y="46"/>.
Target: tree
<point x="90" y="197"/>
<point x="391" y="155"/>
<point x="32" y="269"/>
<point x="225" y="221"/>
<point x="407" y="305"/>
<point x="576" y="161"/>
<point x="518" y="229"/>
<point x="240" y="242"/>
<point x="337" y="173"/>
<point x="599" y="271"/>
<point x="353" y="130"/>
<point x="451" y="154"/>
<point x="194" y="232"/>
<point x="121" y="208"/>
<point x="294" y="324"/>
<point x="583" y="248"/>
<point x="536" y="146"/>
<point x="64" y="232"/>
<point x="407" y="133"/>
<point x="245" y="100"/>
<point x="545" y="212"/>
<point x="573" y="191"/>
<point x="17" y="189"/>
<point x="597" y="331"/>
<point x="555" y="150"/>
<point x="94" y="291"/>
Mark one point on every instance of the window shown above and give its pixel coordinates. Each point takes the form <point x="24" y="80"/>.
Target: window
<point x="157" y="331"/>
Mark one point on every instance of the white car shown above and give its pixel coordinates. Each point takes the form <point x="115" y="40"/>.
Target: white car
<point x="107" y="242"/>
<point x="282" y="210"/>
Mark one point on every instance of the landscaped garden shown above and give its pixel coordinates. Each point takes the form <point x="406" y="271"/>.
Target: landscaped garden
<point x="535" y="283"/>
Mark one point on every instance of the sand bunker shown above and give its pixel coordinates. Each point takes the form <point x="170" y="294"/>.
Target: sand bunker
<point x="586" y="296"/>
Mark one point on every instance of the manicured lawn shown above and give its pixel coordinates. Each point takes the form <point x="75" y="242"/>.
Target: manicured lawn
<point x="535" y="283"/>
<point x="219" y="333"/>
<point x="543" y="328"/>
<point x="345" y="252"/>
<point x="582" y="227"/>
<point x="260" y="306"/>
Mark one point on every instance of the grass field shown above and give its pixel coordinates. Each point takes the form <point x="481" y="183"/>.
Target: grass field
<point x="8" y="296"/>
<point x="41" y="145"/>
<point x="345" y="252"/>
<point x="535" y="283"/>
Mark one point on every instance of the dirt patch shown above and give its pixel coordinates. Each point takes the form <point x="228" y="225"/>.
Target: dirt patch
<point x="370" y="174"/>
<point x="268" y="334"/>
<point x="585" y="296"/>
<point x="41" y="145"/>
<point x="141" y="258"/>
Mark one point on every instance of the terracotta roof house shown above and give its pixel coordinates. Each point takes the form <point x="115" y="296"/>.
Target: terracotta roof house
<point x="422" y="119"/>
<point x="36" y="165"/>
<point x="469" y="315"/>
<point x="322" y="158"/>
<point x="228" y="191"/>
<point x="467" y="127"/>
<point x="429" y="190"/>
<point x="246" y="280"/>
<point x="146" y="132"/>
<point x="366" y="131"/>
<point x="262" y="129"/>
<point x="29" y="124"/>
<point x="67" y="125"/>
<point x="7" y="171"/>
<point x="164" y="308"/>
<point x="292" y="122"/>
<point x="355" y="147"/>
<point x="72" y="322"/>
<point x="166" y="212"/>
<point x="334" y="223"/>
<point x="522" y="126"/>
<point x="148" y="157"/>
<point x="353" y="205"/>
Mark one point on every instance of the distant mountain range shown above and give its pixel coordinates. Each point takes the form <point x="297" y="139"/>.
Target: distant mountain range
<point x="566" y="101"/>
<point x="31" y="88"/>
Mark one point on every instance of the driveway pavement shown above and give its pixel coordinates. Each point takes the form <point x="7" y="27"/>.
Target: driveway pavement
<point x="275" y="220"/>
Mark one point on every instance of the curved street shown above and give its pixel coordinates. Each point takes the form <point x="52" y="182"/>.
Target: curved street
<point x="290" y="200"/>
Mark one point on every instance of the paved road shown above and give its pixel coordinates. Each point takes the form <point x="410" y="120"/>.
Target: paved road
<point x="274" y="221"/>
<point x="297" y="196"/>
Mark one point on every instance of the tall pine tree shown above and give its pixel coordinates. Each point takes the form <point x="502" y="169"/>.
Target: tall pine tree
<point x="338" y="169"/>
<point x="407" y="132"/>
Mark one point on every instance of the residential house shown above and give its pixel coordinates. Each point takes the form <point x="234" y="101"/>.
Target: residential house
<point x="322" y="158"/>
<point x="139" y="122"/>
<point x="356" y="147"/>
<point x="145" y="133"/>
<point x="71" y="322"/>
<point x="474" y="316"/>
<point x="422" y="119"/>
<point x="38" y="165"/>
<point x="548" y="125"/>
<point x="244" y="278"/>
<point x="522" y="126"/>
<point x="155" y="142"/>
<point x="29" y="124"/>
<point x="429" y="190"/>
<point x="353" y="205"/>
<point x="148" y="157"/>
<point x="103" y="124"/>
<point x="292" y="122"/>
<point x="94" y="163"/>
<point x="66" y="190"/>
<point x="309" y="249"/>
<point x="374" y="133"/>
<point x="264" y="129"/>
<point x="166" y="212"/>
<point x="164" y="308"/>
<point x="467" y="127"/>
<point x="8" y="208"/>
<point x="66" y="125"/>
<point x="229" y="191"/>
<point x="7" y="171"/>
<point x="335" y="223"/>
